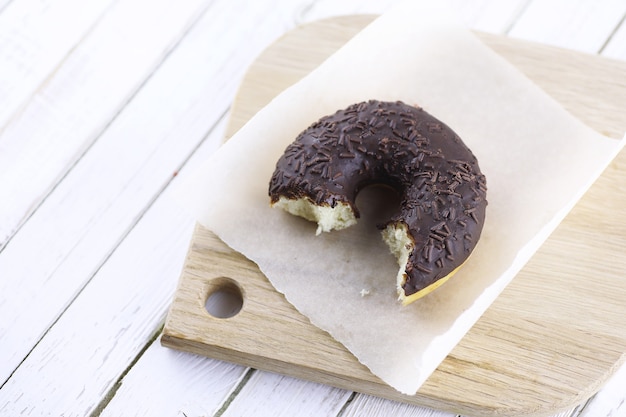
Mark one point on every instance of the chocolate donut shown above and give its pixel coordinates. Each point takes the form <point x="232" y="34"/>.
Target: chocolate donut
<point x="441" y="187"/>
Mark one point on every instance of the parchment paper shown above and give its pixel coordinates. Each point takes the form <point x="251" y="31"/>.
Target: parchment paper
<point x="537" y="158"/>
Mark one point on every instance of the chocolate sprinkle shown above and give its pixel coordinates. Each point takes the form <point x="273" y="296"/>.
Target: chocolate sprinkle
<point x="443" y="192"/>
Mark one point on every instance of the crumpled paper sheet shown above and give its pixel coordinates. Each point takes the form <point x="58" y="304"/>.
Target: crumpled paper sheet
<point x="537" y="158"/>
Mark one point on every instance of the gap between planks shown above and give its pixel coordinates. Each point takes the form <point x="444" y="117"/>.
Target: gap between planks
<point x="59" y="157"/>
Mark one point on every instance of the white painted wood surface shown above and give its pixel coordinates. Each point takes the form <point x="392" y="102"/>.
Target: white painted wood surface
<point x="103" y="105"/>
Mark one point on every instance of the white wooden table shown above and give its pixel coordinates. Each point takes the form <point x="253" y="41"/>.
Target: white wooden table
<point x="104" y="106"/>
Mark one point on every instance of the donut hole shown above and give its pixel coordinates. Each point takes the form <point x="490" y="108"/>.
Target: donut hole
<point x="224" y="298"/>
<point x="378" y="203"/>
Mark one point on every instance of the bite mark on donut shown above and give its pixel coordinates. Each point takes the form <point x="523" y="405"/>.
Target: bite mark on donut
<point x="401" y="244"/>
<point x="327" y="218"/>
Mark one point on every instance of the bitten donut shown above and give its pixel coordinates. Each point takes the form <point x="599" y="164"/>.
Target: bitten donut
<point x="441" y="187"/>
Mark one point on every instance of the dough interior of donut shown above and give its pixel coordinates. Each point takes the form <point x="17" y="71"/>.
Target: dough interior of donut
<point x="327" y="218"/>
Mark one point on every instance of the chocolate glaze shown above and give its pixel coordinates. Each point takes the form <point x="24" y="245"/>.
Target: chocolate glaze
<point x="443" y="192"/>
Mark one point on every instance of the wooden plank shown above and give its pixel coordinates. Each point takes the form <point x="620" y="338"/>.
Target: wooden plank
<point x="268" y="394"/>
<point x="530" y="323"/>
<point x="80" y="358"/>
<point x="168" y="383"/>
<point x="60" y="120"/>
<point x="79" y="225"/>
<point x="4" y="4"/>
<point x="583" y="25"/>
<point x="35" y="38"/>
<point x="616" y="46"/>
<point x="323" y="9"/>
<point x="365" y="405"/>
<point x="493" y="16"/>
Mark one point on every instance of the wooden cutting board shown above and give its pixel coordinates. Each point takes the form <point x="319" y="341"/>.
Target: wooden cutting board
<point x="547" y="343"/>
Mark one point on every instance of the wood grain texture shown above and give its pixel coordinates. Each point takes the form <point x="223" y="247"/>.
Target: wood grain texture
<point x="35" y="39"/>
<point x="143" y="393"/>
<point x="306" y="399"/>
<point x="106" y="189"/>
<point x="79" y="96"/>
<point x="111" y="321"/>
<point x="365" y="405"/>
<point x="610" y="401"/>
<point x="548" y="342"/>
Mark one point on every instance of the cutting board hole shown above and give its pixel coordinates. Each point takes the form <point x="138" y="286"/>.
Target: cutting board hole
<point x="224" y="299"/>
